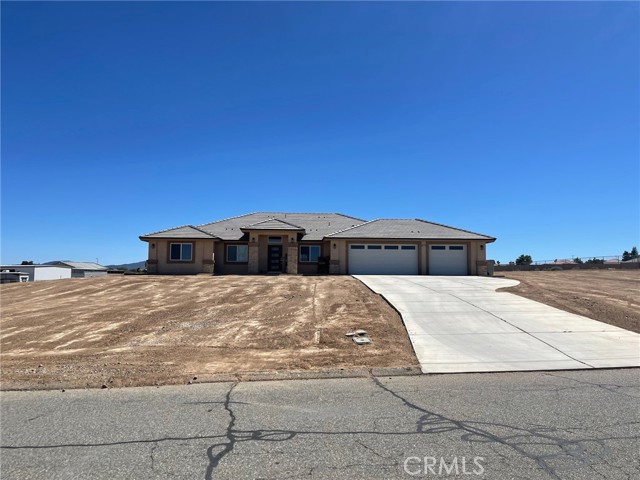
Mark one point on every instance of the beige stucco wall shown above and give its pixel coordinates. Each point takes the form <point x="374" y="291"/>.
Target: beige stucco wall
<point x="223" y="268"/>
<point x="307" y="268"/>
<point x="158" y="257"/>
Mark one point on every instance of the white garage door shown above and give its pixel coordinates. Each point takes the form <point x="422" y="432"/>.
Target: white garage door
<point x="383" y="259"/>
<point x="447" y="260"/>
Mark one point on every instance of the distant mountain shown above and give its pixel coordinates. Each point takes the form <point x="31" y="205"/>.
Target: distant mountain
<point x="127" y="266"/>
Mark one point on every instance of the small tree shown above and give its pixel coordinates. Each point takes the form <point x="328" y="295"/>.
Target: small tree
<point x="578" y="260"/>
<point x="524" y="260"/>
<point x="27" y="262"/>
<point x="630" y="255"/>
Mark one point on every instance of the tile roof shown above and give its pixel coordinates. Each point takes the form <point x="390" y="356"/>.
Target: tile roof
<point x="185" y="231"/>
<point x="316" y="225"/>
<point x="272" y="224"/>
<point x="408" y="229"/>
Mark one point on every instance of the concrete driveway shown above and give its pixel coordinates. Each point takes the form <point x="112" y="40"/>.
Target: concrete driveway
<point x="461" y="324"/>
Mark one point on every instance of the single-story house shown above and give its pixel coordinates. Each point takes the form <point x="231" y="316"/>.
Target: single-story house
<point x="36" y="272"/>
<point x="82" y="269"/>
<point x="306" y="243"/>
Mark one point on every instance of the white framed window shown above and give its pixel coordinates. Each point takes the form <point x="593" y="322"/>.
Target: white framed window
<point x="237" y="253"/>
<point x="180" y="252"/>
<point x="309" y="253"/>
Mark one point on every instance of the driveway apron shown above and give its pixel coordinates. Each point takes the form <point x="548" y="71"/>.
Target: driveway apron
<point x="461" y="324"/>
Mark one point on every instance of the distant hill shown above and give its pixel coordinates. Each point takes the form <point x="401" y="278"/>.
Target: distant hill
<point x="127" y="266"/>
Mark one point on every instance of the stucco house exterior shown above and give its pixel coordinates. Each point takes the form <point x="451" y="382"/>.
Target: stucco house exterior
<point x="312" y="243"/>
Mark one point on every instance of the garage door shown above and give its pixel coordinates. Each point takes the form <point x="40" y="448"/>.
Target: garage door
<point x="383" y="259"/>
<point x="447" y="260"/>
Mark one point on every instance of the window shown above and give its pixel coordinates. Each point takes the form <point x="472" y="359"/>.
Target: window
<point x="374" y="247"/>
<point x="456" y="247"/>
<point x="180" y="252"/>
<point x="275" y="240"/>
<point x="438" y="247"/>
<point x="408" y="247"/>
<point x="391" y="247"/>
<point x="357" y="247"/>
<point x="237" y="253"/>
<point x="309" y="253"/>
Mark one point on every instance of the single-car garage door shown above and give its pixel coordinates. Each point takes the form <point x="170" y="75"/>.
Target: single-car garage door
<point x="447" y="260"/>
<point x="383" y="259"/>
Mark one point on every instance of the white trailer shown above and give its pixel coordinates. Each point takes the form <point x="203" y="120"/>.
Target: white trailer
<point x="40" y="272"/>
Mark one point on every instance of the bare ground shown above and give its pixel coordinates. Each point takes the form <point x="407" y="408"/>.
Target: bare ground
<point x="153" y="330"/>
<point x="610" y="296"/>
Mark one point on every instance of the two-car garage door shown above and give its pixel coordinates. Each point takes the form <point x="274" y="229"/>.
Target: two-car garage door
<point x="371" y="259"/>
<point x="383" y="259"/>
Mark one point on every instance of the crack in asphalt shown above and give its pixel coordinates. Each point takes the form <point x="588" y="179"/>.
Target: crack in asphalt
<point x="576" y="449"/>
<point x="609" y="387"/>
<point x="367" y="447"/>
<point x="214" y="460"/>
<point x="428" y="423"/>
<point x="234" y="436"/>
<point x="154" y="446"/>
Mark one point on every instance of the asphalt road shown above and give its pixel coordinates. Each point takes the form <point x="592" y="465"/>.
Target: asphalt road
<point x="579" y="424"/>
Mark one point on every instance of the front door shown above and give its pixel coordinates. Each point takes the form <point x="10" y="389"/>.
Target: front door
<point x="275" y="258"/>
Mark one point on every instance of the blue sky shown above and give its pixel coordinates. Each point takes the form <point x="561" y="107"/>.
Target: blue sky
<point x="519" y="120"/>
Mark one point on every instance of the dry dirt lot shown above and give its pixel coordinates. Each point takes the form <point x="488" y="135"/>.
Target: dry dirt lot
<point x="148" y="330"/>
<point x="610" y="296"/>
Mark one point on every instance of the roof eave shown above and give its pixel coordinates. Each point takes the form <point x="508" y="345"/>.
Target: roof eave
<point x="146" y="238"/>
<point x="247" y="230"/>
<point x="407" y="239"/>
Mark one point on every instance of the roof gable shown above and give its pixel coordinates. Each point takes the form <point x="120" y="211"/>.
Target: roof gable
<point x="185" y="231"/>
<point x="272" y="224"/>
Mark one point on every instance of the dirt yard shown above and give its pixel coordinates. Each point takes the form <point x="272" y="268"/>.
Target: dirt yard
<point x="610" y="296"/>
<point x="148" y="330"/>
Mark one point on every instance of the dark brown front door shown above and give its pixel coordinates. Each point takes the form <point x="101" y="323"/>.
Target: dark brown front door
<point x="275" y="258"/>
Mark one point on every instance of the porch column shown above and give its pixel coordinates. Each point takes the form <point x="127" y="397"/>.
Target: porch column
<point x="254" y="265"/>
<point x="292" y="258"/>
<point x="334" y="267"/>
